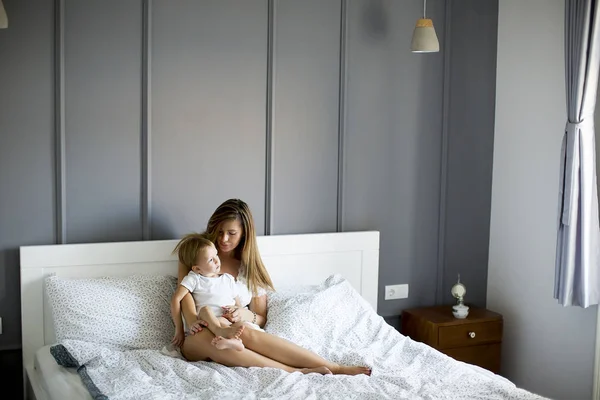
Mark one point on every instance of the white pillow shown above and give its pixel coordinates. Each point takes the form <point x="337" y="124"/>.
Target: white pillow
<point x="121" y="313"/>
<point x="331" y="318"/>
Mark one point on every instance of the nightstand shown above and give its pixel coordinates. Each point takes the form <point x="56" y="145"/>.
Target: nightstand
<point x="476" y="339"/>
<point x="11" y="370"/>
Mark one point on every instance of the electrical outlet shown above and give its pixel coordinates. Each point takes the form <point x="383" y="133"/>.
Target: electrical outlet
<point x="393" y="292"/>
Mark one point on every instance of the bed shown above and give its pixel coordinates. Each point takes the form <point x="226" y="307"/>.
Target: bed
<point x="113" y="341"/>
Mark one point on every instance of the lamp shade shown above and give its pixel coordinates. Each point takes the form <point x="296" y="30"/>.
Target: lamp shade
<point x="3" y="17"/>
<point x="424" y="39"/>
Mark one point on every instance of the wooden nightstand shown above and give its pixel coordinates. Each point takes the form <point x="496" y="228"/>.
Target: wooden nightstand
<point x="476" y="339"/>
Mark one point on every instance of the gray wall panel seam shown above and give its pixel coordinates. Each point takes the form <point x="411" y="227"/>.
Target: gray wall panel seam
<point x="439" y="290"/>
<point x="269" y="151"/>
<point x="342" y="114"/>
<point x="146" y="209"/>
<point x="59" y="122"/>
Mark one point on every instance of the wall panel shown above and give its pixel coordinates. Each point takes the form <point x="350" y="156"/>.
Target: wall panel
<point x="471" y="101"/>
<point x="393" y="143"/>
<point x="102" y="119"/>
<point x="208" y="111"/>
<point x="305" y="115"/>
<point x="26" y="149"/>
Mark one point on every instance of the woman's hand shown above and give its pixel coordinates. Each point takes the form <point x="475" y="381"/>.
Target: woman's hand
<point x="197" y="326"/>
<point x="232" y="314"/>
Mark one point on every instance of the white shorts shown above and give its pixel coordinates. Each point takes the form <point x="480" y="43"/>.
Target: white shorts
<point x="253" y="326"/>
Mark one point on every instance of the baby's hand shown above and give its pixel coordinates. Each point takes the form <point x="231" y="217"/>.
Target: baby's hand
<point x="228" y="309"/>
<point x="178" y="338"/>
<point x="231" y="313"/>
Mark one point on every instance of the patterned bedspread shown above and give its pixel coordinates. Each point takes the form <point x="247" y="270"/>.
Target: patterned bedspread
<point x="332" y="320"/>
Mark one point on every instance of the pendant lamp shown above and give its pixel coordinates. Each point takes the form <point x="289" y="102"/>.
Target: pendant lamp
<point x="424" y="39"/>
<point x="3" y="17"/>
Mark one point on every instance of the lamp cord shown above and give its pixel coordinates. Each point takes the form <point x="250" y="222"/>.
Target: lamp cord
<point x="424" y="9"/>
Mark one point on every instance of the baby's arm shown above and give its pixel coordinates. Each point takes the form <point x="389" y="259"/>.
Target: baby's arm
<point x="188" y="306"/>
<point x="179" y="294"/>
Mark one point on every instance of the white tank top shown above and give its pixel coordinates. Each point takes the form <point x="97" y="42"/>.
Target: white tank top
<point x="243" y="291"/>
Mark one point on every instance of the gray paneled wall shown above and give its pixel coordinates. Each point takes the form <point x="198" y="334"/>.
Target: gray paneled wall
<point x="470" y="141"/>
<point x="314" y="112"/>
<point x="102" y="120"/>
<point x="305" y="115"/>
<point x="208" y="90"/>
<point x="26" y="148"/>
<point x="392" y="143"/>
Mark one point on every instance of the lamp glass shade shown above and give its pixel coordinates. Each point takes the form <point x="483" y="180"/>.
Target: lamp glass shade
<point x="3" y="17"/>
<point x="424" y="39"/>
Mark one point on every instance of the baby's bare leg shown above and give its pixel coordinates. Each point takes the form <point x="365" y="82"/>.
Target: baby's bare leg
<point x="206" y="314"/>
<point x="234" y="343"/>
<point x="219" y="326"/>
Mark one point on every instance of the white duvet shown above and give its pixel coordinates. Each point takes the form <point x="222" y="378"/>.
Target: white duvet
<point x="332" y="320"/>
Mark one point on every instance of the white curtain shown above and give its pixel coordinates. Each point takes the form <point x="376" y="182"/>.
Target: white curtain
<point x="577" y="278"/>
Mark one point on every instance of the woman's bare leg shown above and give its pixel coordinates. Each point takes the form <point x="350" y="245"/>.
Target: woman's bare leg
<point x="198" y="348"/>
<point x="288" y="353"/>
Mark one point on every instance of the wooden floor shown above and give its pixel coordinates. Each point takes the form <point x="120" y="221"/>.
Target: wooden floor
<point x="11" y="374"/>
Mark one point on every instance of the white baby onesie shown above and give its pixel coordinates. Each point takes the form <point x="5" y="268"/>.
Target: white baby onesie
<point x="212" y="292"/>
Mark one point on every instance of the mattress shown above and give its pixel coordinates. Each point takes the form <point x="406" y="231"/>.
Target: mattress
<point x="59" y="382"/>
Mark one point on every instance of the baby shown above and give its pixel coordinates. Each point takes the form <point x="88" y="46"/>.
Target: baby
<point x="211" y="292"/>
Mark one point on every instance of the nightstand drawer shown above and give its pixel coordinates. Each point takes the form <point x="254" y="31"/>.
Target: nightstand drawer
<point x="486" y="355"/>
<point x="469" y="334"/>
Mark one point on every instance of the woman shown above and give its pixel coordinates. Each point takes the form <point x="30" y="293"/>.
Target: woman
<point x="231" y="228"/>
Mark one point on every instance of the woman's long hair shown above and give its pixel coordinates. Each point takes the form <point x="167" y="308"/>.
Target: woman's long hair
<point x="247" y="249"/>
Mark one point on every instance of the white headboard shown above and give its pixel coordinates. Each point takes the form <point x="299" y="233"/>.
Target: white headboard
<point x="290" y="260"/>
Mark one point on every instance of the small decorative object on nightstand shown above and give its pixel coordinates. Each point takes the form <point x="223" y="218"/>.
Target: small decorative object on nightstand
<point x="476" y="339"/>
<point x="459" y="310"/>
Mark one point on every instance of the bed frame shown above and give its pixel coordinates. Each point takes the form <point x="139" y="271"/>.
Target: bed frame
<point x="290" y="259"/>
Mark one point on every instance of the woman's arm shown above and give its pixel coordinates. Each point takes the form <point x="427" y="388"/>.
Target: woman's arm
<point x="259" y="306"/>
<point x="188" y="307"/>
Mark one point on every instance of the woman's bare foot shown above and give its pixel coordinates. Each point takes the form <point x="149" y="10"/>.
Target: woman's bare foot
<point x="222" y="343"/>
<point x="347" y="370"/>
<point x="318" y="370"/>
<point x="230" y="332"/>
